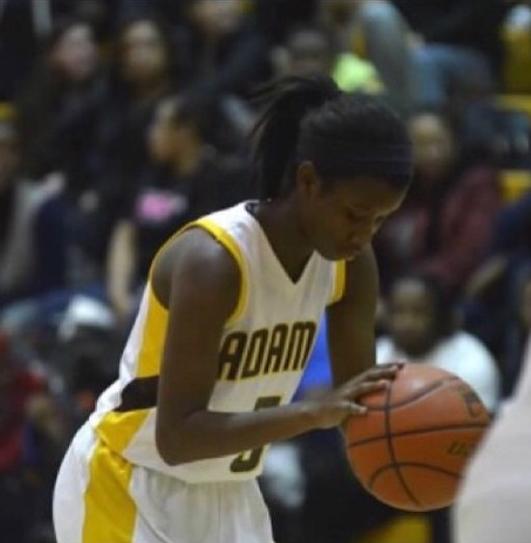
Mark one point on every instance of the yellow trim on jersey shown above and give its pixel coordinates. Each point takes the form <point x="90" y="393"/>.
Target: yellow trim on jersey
<point x="117" y="429"/>
<point x="155" y="324"/>
<point x="339" y="281"/>
<point x="110" y="512"/>
<point x="223" y="237"/>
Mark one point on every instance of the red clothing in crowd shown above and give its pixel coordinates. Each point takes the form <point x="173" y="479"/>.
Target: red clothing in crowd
<point x="17" y="386"/>
<point x="442" y="232"/>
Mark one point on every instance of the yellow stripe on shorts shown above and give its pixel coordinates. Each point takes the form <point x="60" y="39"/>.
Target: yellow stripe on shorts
<point x="110" y="512"/>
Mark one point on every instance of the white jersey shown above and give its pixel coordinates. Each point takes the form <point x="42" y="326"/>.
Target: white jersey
<point x="263" y="351"/>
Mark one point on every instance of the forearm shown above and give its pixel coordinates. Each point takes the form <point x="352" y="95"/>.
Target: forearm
<point x="207" y="434"/>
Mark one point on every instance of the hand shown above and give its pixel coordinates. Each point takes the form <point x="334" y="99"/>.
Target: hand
<point x="334" y="407"/>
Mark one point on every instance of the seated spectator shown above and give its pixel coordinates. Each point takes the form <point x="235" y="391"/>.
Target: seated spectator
<point x="493" y="293"/>
<point x="59" y="112"/>
<point x="32" y="252"/>
<point x="428" y="54"/>
<point x="59" y="105"/>
<point x="143" y="73"/>
<point x="193" y="179"/>
<point x="310" y="50"/>
<point x="31" y="444"/>
<point x="422" y="328"/>
<point x="517" y="330"/>
<point x="225" y="53"/>
<point x="445" y="224"/>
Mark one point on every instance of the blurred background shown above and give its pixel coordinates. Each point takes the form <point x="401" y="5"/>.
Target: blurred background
<point x="120" y="120"/>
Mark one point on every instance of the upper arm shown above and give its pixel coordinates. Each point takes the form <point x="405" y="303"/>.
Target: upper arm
<point x="351" y="320"/>
<point x="120" y="256"/>
<point x="200" y="281"/>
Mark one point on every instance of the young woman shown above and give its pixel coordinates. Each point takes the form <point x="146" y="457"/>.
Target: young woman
<point x="423" y="329"/>
<point x="226" y="324"/>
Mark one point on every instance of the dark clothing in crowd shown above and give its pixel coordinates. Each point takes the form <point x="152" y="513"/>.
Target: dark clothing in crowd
<point x="455" y="22"/>
<point x="443" y="233"/>
<point x="164" y="202"/>
<point x="233" y="65"/>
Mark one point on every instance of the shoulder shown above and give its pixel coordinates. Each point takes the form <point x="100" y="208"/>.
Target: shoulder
<point x="194" y="261"/>
<point x="468" y="343"/>
<point x="465" y="351"/>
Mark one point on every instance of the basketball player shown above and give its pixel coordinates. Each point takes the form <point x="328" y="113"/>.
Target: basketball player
<point x="227" y="321"/>
<point x="493" y="505"/>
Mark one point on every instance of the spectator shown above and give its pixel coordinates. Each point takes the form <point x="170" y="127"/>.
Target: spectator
<point x="143" y="73"/>
<point x="194" y="179"/>
<point x="310" y="50"/>
<point x="29" y="262"/>
<point x="445" y="225"/>
<point x="59" y="105"/>
<point x="31" y="442"/>
<point x="435" y="54"/>
<point x="493" y="292"/>
<point x="225" y="52"/>
<point x="422" y="328"/>
<point x="517" y="330"/>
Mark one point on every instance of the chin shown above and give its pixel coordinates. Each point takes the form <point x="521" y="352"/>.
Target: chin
<point x="336" y="256"/>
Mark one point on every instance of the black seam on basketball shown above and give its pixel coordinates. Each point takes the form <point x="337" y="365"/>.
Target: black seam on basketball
<point x="381" y="469"/>
<point x="391" y="450"/>
<point x="417" y="396"/>
<point x="353" y="444"/>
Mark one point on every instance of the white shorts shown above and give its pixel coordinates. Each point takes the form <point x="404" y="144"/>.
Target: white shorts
<point x="101" y="498"/>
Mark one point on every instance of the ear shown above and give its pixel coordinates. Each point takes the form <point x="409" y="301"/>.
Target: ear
<point x="307" y="182"/>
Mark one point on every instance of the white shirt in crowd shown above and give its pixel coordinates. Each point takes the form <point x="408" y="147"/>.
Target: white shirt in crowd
<point x="461" y="354"/>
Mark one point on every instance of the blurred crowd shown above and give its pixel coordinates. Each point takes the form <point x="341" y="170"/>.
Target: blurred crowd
<point x="121" y="120"/>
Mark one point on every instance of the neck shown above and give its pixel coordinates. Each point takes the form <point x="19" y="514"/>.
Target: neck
<point x="282" y="227"/>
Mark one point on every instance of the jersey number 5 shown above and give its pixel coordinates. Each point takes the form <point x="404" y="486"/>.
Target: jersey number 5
<point x="249" y="460"/>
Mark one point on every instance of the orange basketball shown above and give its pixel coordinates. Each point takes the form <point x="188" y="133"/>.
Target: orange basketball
<point x="410" y="449"/>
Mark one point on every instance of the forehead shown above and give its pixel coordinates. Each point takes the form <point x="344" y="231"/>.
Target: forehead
<point x="428" y="126"/>
<point x="369" y="194"/>
<point x="141" y="31"/>
<point x="411" y="291"/>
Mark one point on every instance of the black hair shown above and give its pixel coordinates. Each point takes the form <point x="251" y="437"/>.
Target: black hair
<point x="199" y="110"/>
<point x="309" y="118"/>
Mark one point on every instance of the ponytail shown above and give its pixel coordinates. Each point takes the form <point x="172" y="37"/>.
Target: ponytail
<point x="277" y="130"/>
<point x="343" y="136"/>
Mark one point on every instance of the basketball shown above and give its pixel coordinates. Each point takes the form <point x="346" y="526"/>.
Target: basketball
<point x="410" y="449"/>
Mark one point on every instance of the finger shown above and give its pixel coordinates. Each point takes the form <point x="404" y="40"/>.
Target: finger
<point x="381" y="373"/>
<point x="355" y="409"/>
<point x="366" y="387"/>
<point x="396" y="363"/>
